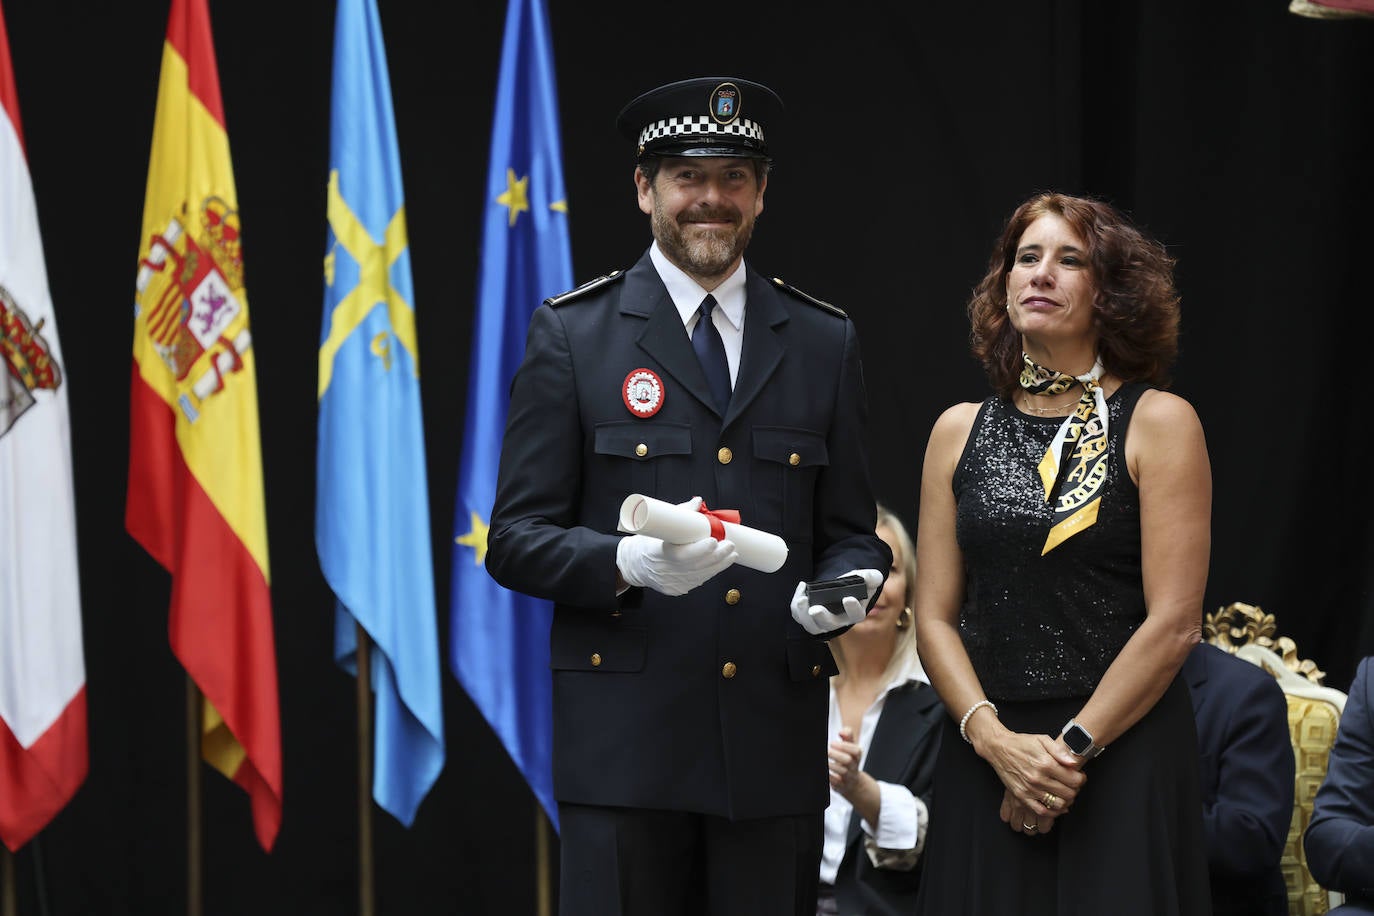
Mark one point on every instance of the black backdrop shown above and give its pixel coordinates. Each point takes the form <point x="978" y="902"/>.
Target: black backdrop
<point x="1231" y="130"/>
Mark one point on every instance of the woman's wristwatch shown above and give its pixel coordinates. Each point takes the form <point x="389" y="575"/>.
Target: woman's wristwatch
<point x="1080" y="741"/>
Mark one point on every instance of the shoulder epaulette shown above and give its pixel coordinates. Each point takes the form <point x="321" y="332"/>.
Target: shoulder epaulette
<point x="576" y="292"/>
<point x="832" y="309"/>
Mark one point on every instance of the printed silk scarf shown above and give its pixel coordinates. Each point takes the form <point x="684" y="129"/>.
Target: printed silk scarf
<point x="1075" y="465"/>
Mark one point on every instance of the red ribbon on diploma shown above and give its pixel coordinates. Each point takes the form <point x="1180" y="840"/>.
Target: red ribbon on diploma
<point x="716" y="516"/>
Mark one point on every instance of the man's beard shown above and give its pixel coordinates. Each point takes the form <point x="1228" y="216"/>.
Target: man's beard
<point x="706" y="252"/>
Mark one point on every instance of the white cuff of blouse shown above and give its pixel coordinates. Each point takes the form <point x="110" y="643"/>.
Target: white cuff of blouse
<point x="902" y="819"/>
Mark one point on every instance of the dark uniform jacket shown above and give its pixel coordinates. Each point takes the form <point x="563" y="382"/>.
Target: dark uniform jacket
<point x="1339" y="840"/>
<point x="1246" y="766"/>
<point x="715" y="701"/>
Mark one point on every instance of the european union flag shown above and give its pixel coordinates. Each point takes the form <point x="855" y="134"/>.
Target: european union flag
<point x="500" y="639"/>
<point x="371" y="509"/>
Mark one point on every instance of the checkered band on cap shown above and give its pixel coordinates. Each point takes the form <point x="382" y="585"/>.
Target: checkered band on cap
<point x="703" y="124"/>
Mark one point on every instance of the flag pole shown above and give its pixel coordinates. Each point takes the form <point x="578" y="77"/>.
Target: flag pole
<point x="9" y="901"/>
<point x="543" y="878"/>
<point x="39" y="881"/>
<point x="193" y="825"/>
<point x="364" y="688"/>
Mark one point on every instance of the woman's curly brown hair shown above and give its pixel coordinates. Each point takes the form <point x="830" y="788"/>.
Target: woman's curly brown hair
<point x="1136" y="305"/>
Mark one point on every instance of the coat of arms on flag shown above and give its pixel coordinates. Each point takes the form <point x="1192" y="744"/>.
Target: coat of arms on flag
<point x="191" y="282"/>
<point x="28" y="363"/>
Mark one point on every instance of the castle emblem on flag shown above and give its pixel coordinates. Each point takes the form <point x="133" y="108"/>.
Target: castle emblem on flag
<point x="190" y="288"/>
<point x="28" y="365"/>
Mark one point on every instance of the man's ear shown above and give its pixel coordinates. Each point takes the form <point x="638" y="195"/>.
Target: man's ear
<point x="644" y="190"/>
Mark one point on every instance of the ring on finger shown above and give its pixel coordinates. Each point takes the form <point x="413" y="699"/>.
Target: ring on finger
<point x="1050" y="800"/>
<point x="1029" y="828"/>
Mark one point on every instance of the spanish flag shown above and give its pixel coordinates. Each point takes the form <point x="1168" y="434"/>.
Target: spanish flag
<point x="195" y="497"/>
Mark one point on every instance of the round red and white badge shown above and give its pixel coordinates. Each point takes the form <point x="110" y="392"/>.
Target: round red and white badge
<point x="642" y="392"/>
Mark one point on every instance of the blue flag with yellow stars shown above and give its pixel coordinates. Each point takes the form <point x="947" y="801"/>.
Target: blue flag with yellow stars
<point x="371" y="505"/>
<point x="500" y="638"/>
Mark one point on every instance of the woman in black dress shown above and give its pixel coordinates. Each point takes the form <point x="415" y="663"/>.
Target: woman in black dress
<point x="1062" y="554"/>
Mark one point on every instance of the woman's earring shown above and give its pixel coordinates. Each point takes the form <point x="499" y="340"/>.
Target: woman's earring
<point x="904" y="618"/>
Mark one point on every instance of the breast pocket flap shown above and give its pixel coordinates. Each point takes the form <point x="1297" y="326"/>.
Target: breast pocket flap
<point x="619" y="649"/>
<point x="810" y="660"/>
<point x="798" y="448"/>
<point x="643" y="441"/>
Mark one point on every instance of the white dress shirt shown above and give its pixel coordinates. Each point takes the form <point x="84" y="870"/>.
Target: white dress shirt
<point x="728" y="315"/>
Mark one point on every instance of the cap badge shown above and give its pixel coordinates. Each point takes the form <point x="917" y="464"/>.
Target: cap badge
<point x="642" y="392"/>
<point x="725" y="103"/>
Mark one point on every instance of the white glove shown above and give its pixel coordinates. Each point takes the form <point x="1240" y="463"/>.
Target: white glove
<point x="673" y="569"/>
<point x="818" y="619"/>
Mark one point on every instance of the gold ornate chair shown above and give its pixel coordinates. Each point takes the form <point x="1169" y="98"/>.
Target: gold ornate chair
<point x="1314" y="710"/>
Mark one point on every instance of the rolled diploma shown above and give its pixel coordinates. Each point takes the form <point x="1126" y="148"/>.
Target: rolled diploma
<point x="675" y="525"/>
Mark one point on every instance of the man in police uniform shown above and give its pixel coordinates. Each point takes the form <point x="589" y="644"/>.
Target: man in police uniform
<point x="690" y="707"/>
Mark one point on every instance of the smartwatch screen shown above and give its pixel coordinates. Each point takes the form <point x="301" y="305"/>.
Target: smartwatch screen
<point x="1077" y="740"/>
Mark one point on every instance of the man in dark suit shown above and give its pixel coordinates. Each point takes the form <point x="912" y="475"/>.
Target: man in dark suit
<point x="689" y="706"/>
<point x="1247" y="768"/>
<point x="1339" y="841"/>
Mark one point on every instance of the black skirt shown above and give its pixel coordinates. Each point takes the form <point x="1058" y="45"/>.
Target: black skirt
<point x="1132" y="845"/>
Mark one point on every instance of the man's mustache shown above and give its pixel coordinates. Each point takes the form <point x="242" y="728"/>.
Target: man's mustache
<point x="700" y="215"/>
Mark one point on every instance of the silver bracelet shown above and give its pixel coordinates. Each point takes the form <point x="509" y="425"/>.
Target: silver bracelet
<point x="963" y="723"/>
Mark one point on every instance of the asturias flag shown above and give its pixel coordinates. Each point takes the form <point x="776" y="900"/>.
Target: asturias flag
<point x="371" y="503"/>
<point x="500" y="638"/>
<point x="42" y="670"/>
<point x="195" y="498"/>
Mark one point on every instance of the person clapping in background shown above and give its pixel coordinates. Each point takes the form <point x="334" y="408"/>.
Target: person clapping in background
<point x="884" y="736"/>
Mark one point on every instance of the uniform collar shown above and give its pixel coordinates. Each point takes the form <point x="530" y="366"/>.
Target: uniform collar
<point x="687" y="294"/>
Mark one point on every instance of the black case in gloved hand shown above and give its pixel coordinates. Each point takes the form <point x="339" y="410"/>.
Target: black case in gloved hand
<point x="831" y="592"/>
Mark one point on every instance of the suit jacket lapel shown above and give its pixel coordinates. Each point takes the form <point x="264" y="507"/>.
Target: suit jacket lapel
<point x="664" y="337"/>
<point x="762" y="349"/>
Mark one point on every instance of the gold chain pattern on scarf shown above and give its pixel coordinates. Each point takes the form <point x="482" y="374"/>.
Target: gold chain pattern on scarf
<point x="1075" y="465"/>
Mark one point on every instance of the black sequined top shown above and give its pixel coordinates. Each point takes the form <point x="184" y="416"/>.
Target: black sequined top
<point x="1044" y="627"/>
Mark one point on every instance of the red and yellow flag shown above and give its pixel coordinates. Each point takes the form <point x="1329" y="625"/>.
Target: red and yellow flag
<point x="195" y="499"/>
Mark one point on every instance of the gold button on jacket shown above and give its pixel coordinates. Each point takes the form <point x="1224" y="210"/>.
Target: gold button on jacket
<point x="732" y="596"/>
<point x="729" y="669"/>
<point x="725" y="456"/>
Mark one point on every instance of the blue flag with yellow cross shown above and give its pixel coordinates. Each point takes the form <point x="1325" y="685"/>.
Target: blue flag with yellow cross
<point x="371" y="505"/>
<point x="499" y="640"/>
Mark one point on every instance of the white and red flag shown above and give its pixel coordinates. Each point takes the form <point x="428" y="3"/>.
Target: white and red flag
<point x="43" y="755"/>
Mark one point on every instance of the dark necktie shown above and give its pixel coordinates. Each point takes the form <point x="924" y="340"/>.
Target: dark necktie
<point x="711" y="351"/>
